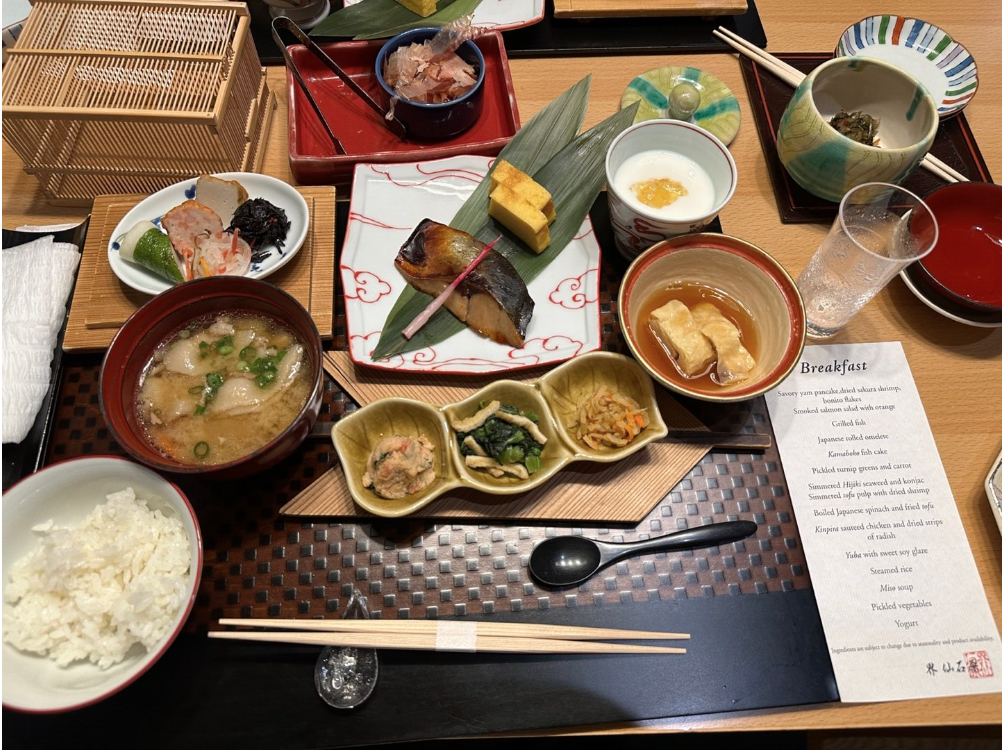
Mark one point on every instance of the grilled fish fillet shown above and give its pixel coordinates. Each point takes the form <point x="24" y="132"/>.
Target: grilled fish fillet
<point x="492" y="300"/>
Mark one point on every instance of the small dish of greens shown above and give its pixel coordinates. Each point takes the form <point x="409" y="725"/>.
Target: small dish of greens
<point x="501" y="440"/>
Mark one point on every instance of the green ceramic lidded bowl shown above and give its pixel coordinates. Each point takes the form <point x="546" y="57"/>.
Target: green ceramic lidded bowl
<point x="828" y="164"/>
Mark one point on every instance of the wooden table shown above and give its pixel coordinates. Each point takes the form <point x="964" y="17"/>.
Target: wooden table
<point x="953" y="365"/>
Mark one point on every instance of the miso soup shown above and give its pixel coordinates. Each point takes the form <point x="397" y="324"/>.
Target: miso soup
<point x="223" y="387"/>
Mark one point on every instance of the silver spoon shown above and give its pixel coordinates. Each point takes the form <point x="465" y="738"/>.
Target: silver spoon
<point x="345" y="677"/>
<point x="569" y="560"/>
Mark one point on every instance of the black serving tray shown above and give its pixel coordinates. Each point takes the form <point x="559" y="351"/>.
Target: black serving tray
<point x="570" y="36"/>
<point x="768" y="94"/>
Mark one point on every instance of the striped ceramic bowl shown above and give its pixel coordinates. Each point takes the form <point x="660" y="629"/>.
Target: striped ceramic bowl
<point x="926" y="52"/>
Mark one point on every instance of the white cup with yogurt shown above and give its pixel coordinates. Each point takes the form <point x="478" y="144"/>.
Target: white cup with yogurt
<point x="665" y="178"/>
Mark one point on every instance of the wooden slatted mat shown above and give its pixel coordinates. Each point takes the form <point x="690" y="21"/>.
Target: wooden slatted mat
<point x="642" y="8"/>
<point x="581" y="492"/>
<point x="102" y="303"/>
<point x="367" y="384"/>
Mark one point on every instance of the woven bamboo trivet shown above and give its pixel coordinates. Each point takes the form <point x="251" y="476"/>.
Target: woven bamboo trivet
<point x="581" y="492"/>
<point x="101" y="303"/>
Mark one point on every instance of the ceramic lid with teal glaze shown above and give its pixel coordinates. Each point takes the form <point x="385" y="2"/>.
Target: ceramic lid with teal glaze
<point x="926" y="52"/>
<point x="718" y="111"/>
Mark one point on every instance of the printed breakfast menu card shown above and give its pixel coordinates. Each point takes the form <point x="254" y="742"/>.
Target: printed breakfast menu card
<point x="901" y="601"/>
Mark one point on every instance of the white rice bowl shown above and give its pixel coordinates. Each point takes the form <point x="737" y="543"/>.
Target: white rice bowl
<point x="65" y="494"/>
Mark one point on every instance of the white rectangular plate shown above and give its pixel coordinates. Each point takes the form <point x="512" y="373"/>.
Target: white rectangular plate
<point x="387" y="202"/>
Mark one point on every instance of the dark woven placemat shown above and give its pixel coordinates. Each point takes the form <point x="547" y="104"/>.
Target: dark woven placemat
<point x="757" y="637"/>
<point x="769" y="96"/>
<point x="260" y="565"/>
<point x="573" y="36"/>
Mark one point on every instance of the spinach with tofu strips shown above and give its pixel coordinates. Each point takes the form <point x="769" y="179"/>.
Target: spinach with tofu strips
<point x="502" y="440"/>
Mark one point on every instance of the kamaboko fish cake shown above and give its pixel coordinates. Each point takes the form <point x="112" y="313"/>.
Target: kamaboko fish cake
<point x="674" y="326"/>
<point x="734" y="362"/>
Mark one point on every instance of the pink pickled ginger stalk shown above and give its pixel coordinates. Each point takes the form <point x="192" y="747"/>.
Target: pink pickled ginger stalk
<point x="436" y="303"/>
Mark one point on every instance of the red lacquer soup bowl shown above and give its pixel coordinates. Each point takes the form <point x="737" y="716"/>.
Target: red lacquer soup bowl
<point x="966" y="264"/>
<point x="748" y="286"/>
<point x="161" y="319"/>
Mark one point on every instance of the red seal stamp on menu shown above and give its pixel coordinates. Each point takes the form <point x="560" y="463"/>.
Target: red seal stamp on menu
<point x="978" y="664"/>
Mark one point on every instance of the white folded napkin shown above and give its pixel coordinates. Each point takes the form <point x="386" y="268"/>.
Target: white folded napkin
<point x="37" y="278"/>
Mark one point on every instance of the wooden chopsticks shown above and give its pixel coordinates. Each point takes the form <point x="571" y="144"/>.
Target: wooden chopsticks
<point x="499" y="629"/>
<point x="792" y="76"/>
<point x="451" y="635"/>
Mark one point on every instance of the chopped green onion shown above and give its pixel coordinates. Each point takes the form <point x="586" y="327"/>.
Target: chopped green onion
<point x="196" y="390"/>
<point x="242" y="366"/>
<point x="264" y="378"/>
<point x="201" y="449"/>
<point x="248" y="353"/>
<point x="199" y="410"/>
<point x="263" y="364"/>
<point x="226" y="349"/>
<point x="214" y="380"/>
<point x="184" y="334"/>
<point x="203" y="345"/>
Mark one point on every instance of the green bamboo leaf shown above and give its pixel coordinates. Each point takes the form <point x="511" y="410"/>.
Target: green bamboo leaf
<point x="379" y="19"/>
<point x="574" y="176"/>
<point x="535" y="144"/>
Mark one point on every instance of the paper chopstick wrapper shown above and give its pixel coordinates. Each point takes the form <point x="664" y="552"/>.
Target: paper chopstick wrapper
<point x="456" y="636"/>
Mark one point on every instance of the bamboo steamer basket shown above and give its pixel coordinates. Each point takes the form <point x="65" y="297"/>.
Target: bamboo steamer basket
<point x="129" y="96"/>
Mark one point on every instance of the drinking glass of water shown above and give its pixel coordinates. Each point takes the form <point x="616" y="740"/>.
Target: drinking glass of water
<point x="880" y="229"/>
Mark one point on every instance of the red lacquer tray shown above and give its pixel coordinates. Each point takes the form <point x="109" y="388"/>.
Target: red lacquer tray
<point x="365" y="138"/>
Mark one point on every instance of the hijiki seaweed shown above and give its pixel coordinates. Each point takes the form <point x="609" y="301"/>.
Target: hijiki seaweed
<point x="260" y="222"/>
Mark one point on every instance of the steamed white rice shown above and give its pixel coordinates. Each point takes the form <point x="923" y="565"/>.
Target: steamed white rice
<point x="93" y="591"/>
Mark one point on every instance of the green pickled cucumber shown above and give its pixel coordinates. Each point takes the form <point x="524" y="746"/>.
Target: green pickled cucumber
<point x="150" y="248"/>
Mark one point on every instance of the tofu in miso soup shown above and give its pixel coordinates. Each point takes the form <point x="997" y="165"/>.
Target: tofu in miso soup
<point x="223" y="387"/>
